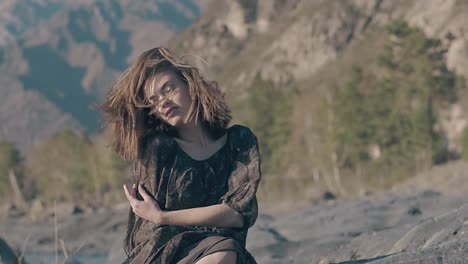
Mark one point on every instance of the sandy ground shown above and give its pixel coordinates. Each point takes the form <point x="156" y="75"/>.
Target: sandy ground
<point x="424" y="220"/>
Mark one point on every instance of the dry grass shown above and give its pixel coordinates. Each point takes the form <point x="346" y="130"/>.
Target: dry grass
<point x="62" y="255"/>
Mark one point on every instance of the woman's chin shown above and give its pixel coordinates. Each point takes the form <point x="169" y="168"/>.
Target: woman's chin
<point x="175" y="122"/>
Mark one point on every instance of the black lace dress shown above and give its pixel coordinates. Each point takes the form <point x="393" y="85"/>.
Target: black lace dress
<point x="177" y="181"/>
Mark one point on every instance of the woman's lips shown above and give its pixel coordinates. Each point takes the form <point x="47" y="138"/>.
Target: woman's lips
<point x="170" y="111"/>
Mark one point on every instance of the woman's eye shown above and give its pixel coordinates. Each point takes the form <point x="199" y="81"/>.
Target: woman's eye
<point x="169" y="88"/>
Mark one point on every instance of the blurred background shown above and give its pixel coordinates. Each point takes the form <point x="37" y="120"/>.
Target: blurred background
<point x="348" y="99"/>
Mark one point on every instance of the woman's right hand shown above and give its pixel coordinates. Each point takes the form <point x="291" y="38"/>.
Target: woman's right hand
<point x="148" y="208"/>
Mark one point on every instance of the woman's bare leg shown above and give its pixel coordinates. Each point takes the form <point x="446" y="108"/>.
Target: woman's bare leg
<point x="222" y="257"/>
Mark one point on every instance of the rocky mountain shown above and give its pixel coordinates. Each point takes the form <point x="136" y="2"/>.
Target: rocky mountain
<point x="308" y="45"/>
<point x="58" y="58"/>
<point x="292" y="40"/>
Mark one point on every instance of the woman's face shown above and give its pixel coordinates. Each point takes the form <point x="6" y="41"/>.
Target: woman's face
<point x="171" y="98"/>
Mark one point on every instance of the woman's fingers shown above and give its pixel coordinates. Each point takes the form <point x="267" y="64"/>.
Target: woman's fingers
<point x="130" y="198"/>
<point x="134" y="191"/>
<point x="143" y="192"/>
<point x="147" y="197"/>
<point x="146" y="209"/>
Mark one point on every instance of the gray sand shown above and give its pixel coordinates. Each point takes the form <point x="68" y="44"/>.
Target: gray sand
<point x="425" y="225"/>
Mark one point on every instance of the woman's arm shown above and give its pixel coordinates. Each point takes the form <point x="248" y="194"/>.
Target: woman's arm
<point x="219" y="215"/>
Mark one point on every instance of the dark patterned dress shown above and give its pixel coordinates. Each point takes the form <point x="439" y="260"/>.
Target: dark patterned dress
<point x="177" y="181"/>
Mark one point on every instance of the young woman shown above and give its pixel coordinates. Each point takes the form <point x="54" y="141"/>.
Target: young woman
<point x="195" y="179"/>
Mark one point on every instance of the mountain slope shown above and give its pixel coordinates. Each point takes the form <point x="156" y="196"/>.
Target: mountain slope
<point x="291" y="40"/>
<point x="58" y="58"/>
<point x="305" y="46"/>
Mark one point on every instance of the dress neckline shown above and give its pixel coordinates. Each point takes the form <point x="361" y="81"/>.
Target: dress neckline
<point x="179" y="148"/>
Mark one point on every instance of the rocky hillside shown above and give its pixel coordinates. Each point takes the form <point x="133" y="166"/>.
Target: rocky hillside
<point x="291" y="40"/>
<point x="305" y="46"/>
<point x="58" y="58"/>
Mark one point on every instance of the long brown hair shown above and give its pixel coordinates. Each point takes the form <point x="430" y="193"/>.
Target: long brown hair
<point x="128" y="110"/>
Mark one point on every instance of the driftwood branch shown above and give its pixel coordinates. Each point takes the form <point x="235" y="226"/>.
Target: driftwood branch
<point x="7" y="254"/>
<point x="19" y="197"/>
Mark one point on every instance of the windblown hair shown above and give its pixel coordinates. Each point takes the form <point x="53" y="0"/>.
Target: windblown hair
<point x="130" y="113"/>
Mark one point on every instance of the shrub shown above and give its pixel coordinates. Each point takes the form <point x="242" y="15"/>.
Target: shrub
<point x="10" y="159"/>
<point x="393" y="105"/>
<point x="70" y="166"/>
<point x="268" y="110"/>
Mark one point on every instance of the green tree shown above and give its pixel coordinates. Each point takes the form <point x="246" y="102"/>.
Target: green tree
<point x="71" y="166"/>
<point x="464" y="143"/>
<point x="269" y="109"/>
<point x="393" y="105"/>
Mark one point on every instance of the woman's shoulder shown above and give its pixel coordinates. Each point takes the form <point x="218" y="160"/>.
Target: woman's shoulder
<point x="160" y="143"/>
<point x="162" y="140"/>
<point x="241" y="131"/>
<point x="242" y="137"/>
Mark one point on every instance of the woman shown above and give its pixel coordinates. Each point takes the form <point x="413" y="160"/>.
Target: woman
<point x="194" y="179"/>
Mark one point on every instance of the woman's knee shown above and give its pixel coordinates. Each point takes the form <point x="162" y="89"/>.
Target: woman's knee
<point x="222" y="257"/>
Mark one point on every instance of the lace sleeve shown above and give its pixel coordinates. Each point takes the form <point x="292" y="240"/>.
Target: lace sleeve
<point x="245" y="178"/>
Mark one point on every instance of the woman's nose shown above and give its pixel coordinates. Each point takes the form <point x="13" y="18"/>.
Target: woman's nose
<point x="164" y="104"/>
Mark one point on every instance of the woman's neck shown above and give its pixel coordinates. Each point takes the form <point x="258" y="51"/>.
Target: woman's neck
<point x="194" y="134"/>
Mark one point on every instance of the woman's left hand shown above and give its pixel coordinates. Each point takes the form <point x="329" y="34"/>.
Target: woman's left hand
<point x="148" y="208"/>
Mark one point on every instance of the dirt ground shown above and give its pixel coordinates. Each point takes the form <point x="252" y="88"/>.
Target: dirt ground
<point x="424" y="220"/>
